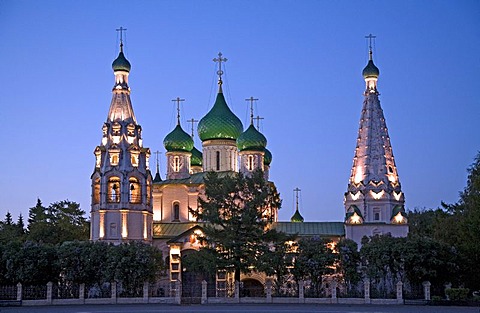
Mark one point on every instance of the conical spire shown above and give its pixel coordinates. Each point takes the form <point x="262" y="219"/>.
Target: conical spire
<point x="374" y="187"/>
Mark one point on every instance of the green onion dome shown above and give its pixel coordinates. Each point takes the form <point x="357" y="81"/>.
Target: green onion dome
<point x="251" y="139"/>
<point x="297" y="217"/>
<point x="370" y="70"/>
<point x="121" y="63"/>
<point x="220" y="122"/>
<point x="196" y="158"/>
<point x="178" y="140"/>
<point x="267" y="158"/>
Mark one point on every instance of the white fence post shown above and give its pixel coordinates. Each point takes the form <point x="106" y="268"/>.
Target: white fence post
<point x="268" y="284"/>
<point x="49" y="292"/>
<point x="399" y="292"/>
<point x="145" y="291"/>
<point x="19" y="292"/>
<point x="237" y="291"/>
<point x="81" y="292"/>
<point x="301" y="291"/>
<point x="204" y="292"/>
<point x="178" y="292"/>
<point x="366" y="283"/>
<point x="426" y="290"/>
<point x="333" y="286"/>
<point x="113" y="296"/>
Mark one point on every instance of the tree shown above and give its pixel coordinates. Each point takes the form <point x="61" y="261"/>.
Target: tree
<point x="238" y="210"/>
<point x="9" y="231"/>
<point x="348" y="261"/>
<point x="315" y="258"/>
<point x="60" y="221"/>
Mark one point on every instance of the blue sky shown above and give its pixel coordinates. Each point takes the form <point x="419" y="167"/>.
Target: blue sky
<point x="301" y="59"/>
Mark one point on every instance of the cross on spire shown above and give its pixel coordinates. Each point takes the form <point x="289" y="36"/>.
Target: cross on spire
<point x="121" y="30"/>
<point x="258" y="118"/>
<point x="219" y="60"/>
<point x="193" y="121"/>
<point x="156" y="154"/>
<point x="251" y="99"/>
<point x="296" y="190"/>
<point x="370" y="37"/>
<point x="178" y="100"/>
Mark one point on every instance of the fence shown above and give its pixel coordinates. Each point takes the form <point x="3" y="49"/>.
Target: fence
<point x="219" y="292"/>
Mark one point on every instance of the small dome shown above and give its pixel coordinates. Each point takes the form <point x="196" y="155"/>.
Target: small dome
<point x="220" y="122"/>
<point x="370" y="70"/>
<point x="121" y="63"/>
<point x="251" y="139"/>
<point x="197" y="157"/>
<point x="267" y="158"/>
<point x="297" y="217"/>
<point x="178" y="140"/>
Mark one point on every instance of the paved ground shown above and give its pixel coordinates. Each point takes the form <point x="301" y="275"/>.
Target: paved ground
<point x="240" y="308"/>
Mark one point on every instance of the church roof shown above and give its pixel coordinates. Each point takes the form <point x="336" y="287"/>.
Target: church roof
<point x="197" y="157"/>
<point x="220" y="122"/>
<point x="172" y="231"/>
<point x="297" y="217"/>
<point x="178" y="140"/>
<point x="121" y="63"/>
<point x="267" y="158"/>
<point x="251" y="139"/>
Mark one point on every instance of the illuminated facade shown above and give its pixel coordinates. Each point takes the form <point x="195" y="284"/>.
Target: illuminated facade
<point x="121" y="182"/>
<point x="374" y="201"/>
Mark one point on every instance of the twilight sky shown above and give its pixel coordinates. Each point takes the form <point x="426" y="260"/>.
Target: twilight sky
<point x="302" y="60"/>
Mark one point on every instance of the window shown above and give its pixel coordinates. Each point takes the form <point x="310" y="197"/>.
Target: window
<point x="250" y="163"/>
<point x="377" y="216"/>
<point x="176" y="212"/>
<point x="176" y="164"/>
<point x="113" y="192"/>
<point x="96" y="191"/>
<point x="218" y="160"/>
<point x="113" y="229"/>
<point x="114" y="160"/>
<point x="135" y="191"/>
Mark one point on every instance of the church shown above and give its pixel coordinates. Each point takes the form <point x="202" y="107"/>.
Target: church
<point x="128" y="203"/>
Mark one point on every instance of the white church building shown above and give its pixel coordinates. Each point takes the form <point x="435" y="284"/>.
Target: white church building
<point x="128" y="203"/>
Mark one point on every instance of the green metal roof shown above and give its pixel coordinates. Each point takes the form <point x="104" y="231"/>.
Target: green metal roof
<point x="370" y="70"/>
<point x="178" y="140"/>
<point x="197" y="157"/>
<point x="297" y="217"/>
<point x="251" y="139"/>
<point x="171" y="230"/>
<point x="220" y="122"/>
<point x="312" y="228"/>
<point x="194" y="179"/>
<point x="267" y="158"/>
<point x="121" y="63"/>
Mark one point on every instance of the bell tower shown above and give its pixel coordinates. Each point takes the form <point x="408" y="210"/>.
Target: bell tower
<point x="374" y="201"/>
<point x="121" y="182"/>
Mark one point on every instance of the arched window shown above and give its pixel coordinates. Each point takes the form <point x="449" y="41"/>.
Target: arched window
<point x="149" y="192"/>
<point x="176" y="212"/>
<point x="218" y="160"/>
<point x="96" y="191"/>
<point x="113" y="192"/>
<point x="135" y="191"/>
<point x="250" y="163"/>
<point x="176" y="164"/>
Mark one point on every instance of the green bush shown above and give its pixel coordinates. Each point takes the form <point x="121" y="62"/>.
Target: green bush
<point x="455" y="294"/>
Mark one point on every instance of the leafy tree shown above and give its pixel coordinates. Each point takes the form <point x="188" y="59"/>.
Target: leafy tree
<point x="348" y="261"/>
<point x="314" y="259"/>
<point x="237" y="210"/>
<point x="60" y="221"/>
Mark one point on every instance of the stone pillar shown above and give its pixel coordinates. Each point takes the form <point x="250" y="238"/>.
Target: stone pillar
<point x="204" y="292"/>
<point x="426" y="290"/>
<point x="145" y="292"/>
<point x="268" y="284"/>
<point x="333" y="286"/>
<point x="399" y="292"/>
<point x="19" y="292"/>
<point x="301" y="291"/>
<point x="49" y="292"/>
<point x="366" y="283"/>
<point x="113" y="296"/>
<point x="81" y="292"/>
<point x="178" y="292"/>
<point x="447" y="286"/>
<point x="237" y="291"/>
